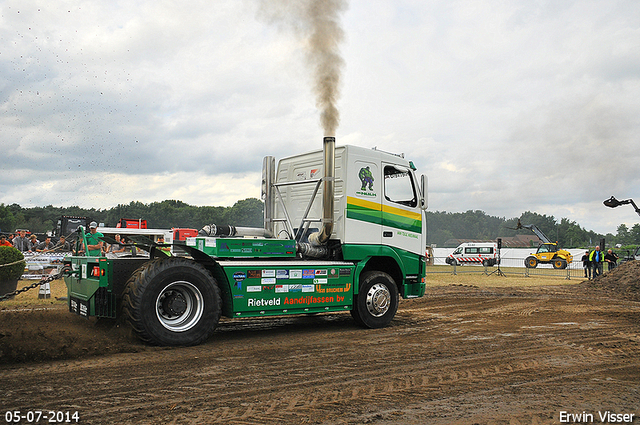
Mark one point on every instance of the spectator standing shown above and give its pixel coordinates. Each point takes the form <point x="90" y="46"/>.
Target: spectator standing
<point x="586" y="265"/>
<point x="4" y="241"/>
<point x="33" y="243"/>
<point x="21" y="242"/>
<point x="63" y="245"/>
<point x="116" y="247"/>
<point x="597" y="258"/>
<point x="94" y="241"/>
<point x="612" y="259"/>
<point x="45" y="246"/>
<point x="165" y="249"/>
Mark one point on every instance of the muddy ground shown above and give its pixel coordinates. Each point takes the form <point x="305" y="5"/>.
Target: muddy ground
<point x="460" y="355"/>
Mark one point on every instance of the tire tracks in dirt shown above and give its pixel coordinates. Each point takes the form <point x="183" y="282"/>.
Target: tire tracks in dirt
<point x="325" y="370"/>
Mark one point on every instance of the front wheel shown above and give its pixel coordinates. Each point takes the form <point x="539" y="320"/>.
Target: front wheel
<point x="559" y="263"/>
<point x="377" y="302"/>
<point x="531" y="262"/>
<point x="172" y="301"/>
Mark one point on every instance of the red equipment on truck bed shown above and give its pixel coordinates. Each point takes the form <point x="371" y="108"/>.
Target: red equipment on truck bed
<point x="132" y="223"/>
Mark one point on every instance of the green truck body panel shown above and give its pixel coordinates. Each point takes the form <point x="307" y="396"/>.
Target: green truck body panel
<point x="257" y="287"/>
<point x="276" y="288"/>
<point x="412" y="267"/>
<point x="244" y="248"/>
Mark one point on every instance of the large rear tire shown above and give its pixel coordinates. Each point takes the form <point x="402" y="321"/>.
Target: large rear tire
<point x="377" y="301"/>
<point x="172" y="301"/>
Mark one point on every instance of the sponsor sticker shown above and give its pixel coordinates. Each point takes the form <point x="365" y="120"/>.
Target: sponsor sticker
<point x="295" y="274"/>
<point x="281" y="289"/>
<point x="308" y="274"/>
<point x="254" y="288"/>
<point x="282" y="274"/>
<point x="322" y="272"/>
<point x="268" y="273"/>
<point x="320" y="281"/>
<point x="268" y="280"/>
<point x="295" y="288"/>
<point x="253" y="302"/>
<point x="308" y="288"/>
<point x="367" y="194"/>
<point x="254" y="274"/>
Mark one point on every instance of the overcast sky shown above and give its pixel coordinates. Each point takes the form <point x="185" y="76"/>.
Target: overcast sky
<point x="507" y="106"/>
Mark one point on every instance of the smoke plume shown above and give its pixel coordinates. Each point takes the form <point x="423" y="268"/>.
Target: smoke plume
<point x="318" y="23"/>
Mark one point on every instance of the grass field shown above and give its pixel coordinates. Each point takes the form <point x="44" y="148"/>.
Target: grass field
<point x="495" y="281"/>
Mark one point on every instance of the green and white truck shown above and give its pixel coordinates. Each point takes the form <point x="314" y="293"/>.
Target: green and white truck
<point x="343" y="230"/>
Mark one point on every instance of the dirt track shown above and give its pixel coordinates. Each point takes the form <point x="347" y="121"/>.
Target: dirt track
<point x="460" y="355"/>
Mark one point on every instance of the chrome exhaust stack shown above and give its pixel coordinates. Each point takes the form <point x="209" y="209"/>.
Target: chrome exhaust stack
<point x="267" y="192"/>
<point x="317" y="245"/>
<point x="328" y="191"/>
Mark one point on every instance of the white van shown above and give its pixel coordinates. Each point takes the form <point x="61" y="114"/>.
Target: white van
<point x="485" y="253"/>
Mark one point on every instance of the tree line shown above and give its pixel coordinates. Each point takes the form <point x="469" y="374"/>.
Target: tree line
<point x="441" y="226"/>
<point x="159" y="215"/>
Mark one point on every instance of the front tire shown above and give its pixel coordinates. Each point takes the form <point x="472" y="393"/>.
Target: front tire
<point x="172" y="301"/>
<point x="559" y="263"/>
<point x="377" y="301"/>
<point x="531" y="262"/>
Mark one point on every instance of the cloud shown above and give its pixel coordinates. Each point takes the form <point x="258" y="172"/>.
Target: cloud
<point x="507" y="107"/>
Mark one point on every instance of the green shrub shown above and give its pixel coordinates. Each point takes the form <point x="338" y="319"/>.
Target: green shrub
<point x="8" y="255"/>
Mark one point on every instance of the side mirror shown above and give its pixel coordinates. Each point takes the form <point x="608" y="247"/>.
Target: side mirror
<point x="423" y="188"/>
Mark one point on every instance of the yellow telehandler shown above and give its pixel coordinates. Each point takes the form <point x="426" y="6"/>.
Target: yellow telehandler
<point x="548" y="252"/>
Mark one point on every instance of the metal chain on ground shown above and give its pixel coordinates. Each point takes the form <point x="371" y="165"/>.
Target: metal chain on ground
<point x="48" y="279"/>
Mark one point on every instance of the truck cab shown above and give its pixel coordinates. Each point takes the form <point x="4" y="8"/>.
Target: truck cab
<point x="378" y="208"/>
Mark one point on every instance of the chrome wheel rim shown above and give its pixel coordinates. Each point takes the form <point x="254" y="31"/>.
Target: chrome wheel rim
<point x="378" y="300"/>
<point x="179" y="306"/>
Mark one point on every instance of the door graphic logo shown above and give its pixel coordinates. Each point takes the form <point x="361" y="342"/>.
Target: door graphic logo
<point x="366" y="178"/>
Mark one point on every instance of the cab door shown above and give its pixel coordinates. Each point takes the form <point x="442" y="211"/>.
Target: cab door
<point x="401" y="213"/>
<point x="546" y="252"/>
<point x="364" y="209"/>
